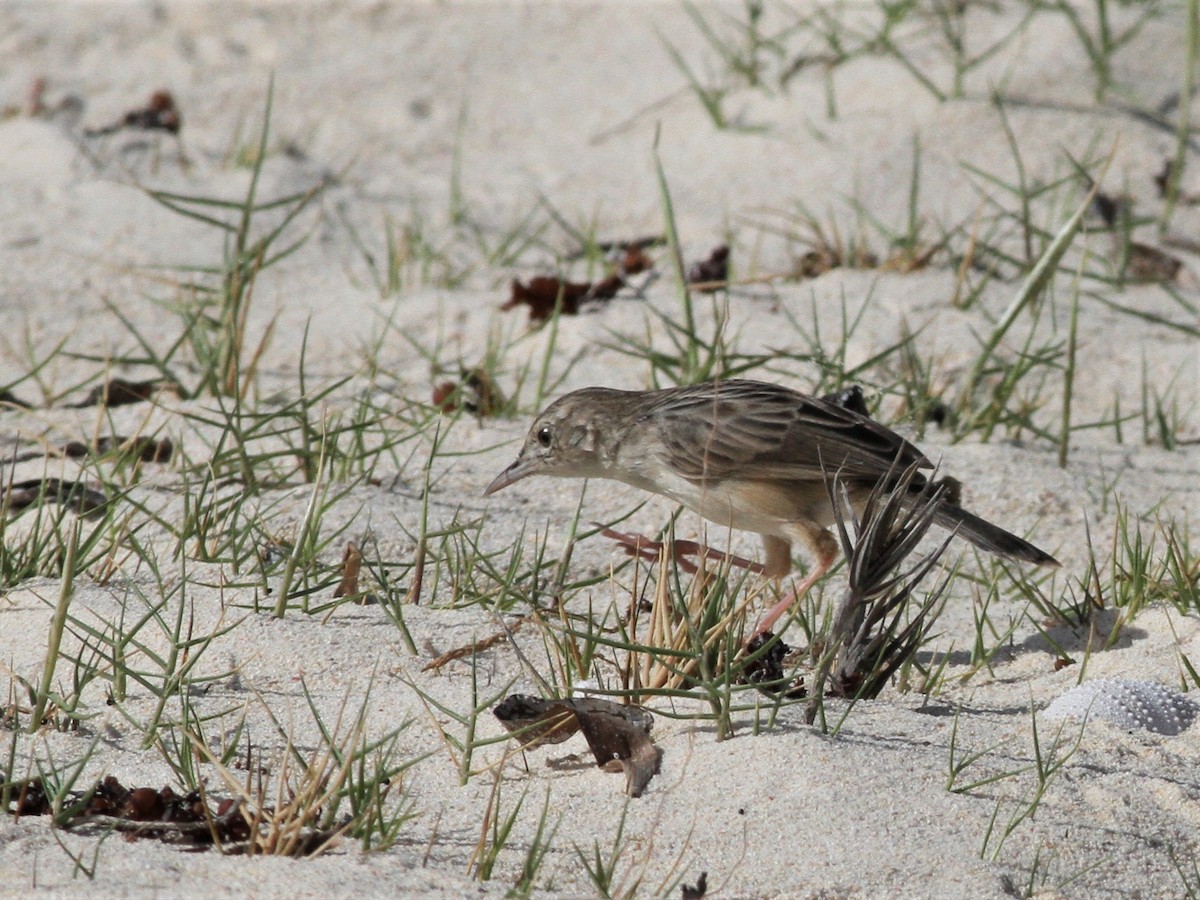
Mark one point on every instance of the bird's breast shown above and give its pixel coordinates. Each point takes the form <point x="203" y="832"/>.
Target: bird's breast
<point x="761" y="507"/>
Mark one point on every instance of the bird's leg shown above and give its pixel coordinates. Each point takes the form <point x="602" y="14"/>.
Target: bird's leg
<point x="825" y="548"/>
<point x="645" y="548"/>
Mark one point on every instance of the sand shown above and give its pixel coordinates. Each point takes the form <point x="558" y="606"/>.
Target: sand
<point x="475" y="129"/>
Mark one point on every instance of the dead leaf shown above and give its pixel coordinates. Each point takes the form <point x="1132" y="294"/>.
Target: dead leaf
<point x="159" y="114"/>
<point x="120" y="392"/>
<point x="351" y="563"/>
<point x="827" y="257"/>
<point x="1163" y="181"/>
<point x="1146" y="263"/>
<point x="1110" y="209"/>
<point x="476" y="393"/>
<point x="443" y="396"/>
<point x="143" y="448"/>
<point x="475" y="646"/>
<point x="544" y="294"/>
<point x="634" y="261"/>
<point x="767" y="668"/>
<point x="617" y="735"/>
<point x="816" y="262"/>
<point x="535" y="721"/>
<point x="30" y="798"/>
<point x="161" y="814"/>
<point x="696" y="891"/>
<point x="73" y="494"/>
<point x="710" y="274"/>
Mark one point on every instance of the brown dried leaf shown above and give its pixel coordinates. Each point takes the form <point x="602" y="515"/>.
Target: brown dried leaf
<point x="143" y="448"/>
<point x="120" y="392"/>
<point x="30" y="798"/>
<point x="1110" y="208"/>
<point x="696" y="891"/>
<point x="351" y="563"/>
<point x="473" y="647"/>
<point x="535" y="721"/>
<point x="817" y="262"/>
<point x="159" y="114"/>
<point x="616" y="734"/>
<point x="767" y="668"/>
<point x="74" y="494"/>
<point x="544" y="294"/>
<point x="634" y="261"/>
<point x="1163" y="181"/>
<point x="1146" y="263"/>
<point x="476" y="392"/>
<point x="110" y="802"/>
<point x="710" y="274"/>
<point x="443" y="396"/>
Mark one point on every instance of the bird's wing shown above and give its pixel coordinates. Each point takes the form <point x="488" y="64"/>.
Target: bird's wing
<point x="749" y="429"/>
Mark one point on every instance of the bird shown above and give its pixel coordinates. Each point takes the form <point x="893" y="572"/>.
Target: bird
<point x="748" y="455"/>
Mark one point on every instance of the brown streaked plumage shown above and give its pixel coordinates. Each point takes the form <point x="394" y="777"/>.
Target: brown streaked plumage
<point x="743" y="454"/>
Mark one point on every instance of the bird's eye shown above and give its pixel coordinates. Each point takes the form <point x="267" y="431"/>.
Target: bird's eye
<point x="543" y="436"/>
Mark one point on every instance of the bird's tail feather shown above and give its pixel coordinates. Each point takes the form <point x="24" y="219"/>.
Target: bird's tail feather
<point x="990" y="537"/>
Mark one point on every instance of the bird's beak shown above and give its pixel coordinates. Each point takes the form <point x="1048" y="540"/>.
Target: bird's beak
<point x="520" y="468"/>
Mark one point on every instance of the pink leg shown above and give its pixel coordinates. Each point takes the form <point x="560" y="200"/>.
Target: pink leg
<point x="644" y="548"/>
<point x="777" y="611"/>
<point x="826" y="548"/>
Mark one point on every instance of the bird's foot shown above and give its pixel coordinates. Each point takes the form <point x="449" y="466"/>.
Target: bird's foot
<point x="643" y="547"/>
<point x="766" y="624"/>
<point x="777" y="612"/>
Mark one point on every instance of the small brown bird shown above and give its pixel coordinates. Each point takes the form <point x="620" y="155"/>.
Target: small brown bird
<point x="746" y="455"/>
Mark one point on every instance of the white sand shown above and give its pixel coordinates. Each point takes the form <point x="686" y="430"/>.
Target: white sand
<point x="563" y="102"/>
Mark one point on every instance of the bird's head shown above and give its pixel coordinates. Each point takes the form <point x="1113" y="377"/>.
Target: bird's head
<point x="567" y="439"/>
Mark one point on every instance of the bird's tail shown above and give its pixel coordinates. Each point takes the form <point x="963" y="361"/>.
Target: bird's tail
<point x="993" y="538"/>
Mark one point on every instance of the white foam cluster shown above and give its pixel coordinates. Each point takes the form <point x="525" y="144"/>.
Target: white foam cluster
<point x="1127" y="703"/>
